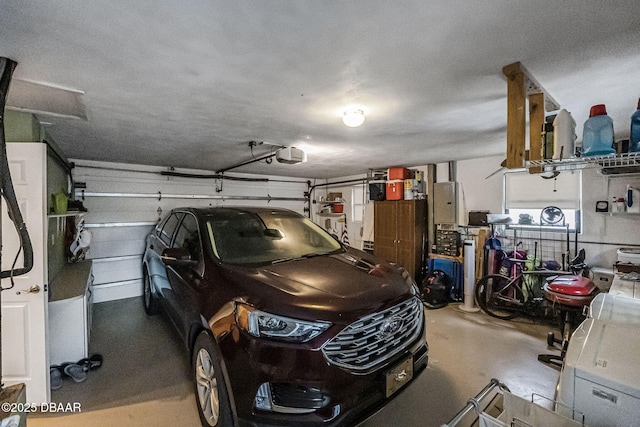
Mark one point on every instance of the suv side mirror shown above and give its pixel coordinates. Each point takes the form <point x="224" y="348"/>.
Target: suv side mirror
<point x="178" y="257"/>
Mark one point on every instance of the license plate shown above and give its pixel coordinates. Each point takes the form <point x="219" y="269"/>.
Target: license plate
<point x="399" y="376"/>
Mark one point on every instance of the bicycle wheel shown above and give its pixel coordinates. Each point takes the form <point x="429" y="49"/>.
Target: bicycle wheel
<point x="499" y="297"/>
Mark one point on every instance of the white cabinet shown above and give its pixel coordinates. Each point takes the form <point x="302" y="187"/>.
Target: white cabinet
<point x="70" y="313"/>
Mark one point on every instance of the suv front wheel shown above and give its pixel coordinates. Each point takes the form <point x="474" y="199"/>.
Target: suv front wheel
<point x="210" y="388"/>
<point x="148" y="299"/>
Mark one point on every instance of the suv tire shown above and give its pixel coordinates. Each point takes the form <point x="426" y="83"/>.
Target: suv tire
<point x="148" y="299"/>
<point x="212" y="397"/>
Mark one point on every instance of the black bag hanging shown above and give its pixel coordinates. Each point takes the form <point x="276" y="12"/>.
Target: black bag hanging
<point x="436" y="289"/>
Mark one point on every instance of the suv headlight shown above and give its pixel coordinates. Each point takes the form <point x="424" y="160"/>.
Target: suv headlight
<point x="262" y="324"/>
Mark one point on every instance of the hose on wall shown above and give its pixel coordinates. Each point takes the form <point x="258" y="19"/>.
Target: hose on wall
<point x="6" y="185"/>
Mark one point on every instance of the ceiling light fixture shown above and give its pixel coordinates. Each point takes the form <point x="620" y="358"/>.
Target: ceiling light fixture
<point x="353" y="117"/>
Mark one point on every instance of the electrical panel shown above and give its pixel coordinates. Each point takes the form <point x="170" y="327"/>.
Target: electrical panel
<point x="445" y="206"/>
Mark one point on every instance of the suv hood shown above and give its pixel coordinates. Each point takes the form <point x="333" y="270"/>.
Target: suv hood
<point x="348" y="282"/>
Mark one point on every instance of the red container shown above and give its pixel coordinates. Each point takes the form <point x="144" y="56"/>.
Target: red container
<point x="338" y="208"/>
<point x="575" y="291"/>
<point x="399" y="173"/>
<point x="572" y="285"/>
<point x="395" y="189"/>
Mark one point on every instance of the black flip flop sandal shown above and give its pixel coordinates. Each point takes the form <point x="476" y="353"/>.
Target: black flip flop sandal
<point x="91" y="363"/>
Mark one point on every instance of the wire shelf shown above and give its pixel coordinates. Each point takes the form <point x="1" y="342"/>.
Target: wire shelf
<point x="628" y="163"/>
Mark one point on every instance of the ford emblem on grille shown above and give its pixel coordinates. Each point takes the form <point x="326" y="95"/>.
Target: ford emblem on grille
<point x="390" y="327"/>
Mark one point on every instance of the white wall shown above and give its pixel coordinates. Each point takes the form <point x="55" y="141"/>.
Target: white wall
<point x="478" y="190"/>
<point x="119" y="224"/>
<point x="602" y="234"/>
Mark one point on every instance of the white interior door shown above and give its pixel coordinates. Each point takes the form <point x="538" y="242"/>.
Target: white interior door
<point x="25" y="357"/>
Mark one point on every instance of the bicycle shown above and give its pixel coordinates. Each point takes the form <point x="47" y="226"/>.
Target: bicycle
<point x="501" y="295"/>
<point x="507" y="296"/>
<point x="515" y="289"/>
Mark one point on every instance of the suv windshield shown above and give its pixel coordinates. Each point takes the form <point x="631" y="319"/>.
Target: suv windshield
<point x="240" y="237"/>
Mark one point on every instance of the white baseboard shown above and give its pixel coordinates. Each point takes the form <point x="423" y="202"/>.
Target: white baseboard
<point x="117" y="290"/>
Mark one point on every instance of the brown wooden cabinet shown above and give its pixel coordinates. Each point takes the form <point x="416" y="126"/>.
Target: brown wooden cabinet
<point x="400" y="233"/>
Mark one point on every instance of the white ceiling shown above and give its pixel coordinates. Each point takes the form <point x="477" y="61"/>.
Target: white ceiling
<point x="190" y="83"/>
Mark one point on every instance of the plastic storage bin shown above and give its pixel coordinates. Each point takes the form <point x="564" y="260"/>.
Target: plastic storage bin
<point x="597" y="136"/>
<point x="629" y="255"/>
<point x="399" y="173"/>
<point x="377" y="190"/>
<point x="413" y="187"/>
<point x="602" y="278"/>
<point x="395" y="189"/>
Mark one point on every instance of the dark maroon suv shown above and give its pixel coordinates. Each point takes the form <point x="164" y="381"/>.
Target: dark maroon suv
<point x="285" y="326"/>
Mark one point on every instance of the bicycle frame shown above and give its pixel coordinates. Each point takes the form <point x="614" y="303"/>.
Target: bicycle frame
<point x="507" y="294"/>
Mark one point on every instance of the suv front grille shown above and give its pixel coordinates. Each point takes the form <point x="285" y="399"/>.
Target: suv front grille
<point x="376" y="337"/>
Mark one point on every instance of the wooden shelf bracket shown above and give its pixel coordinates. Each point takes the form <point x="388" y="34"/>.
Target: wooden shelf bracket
<point x="521" y="86"/>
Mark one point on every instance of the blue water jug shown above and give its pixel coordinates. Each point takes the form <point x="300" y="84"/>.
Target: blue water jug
<point x="597" y="135"/>
<point x="634" y="140"/>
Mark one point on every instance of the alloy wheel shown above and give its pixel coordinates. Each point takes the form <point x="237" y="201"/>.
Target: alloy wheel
<point x="207" y="387"/>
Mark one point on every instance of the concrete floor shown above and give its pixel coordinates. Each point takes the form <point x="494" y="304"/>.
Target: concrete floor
<point x="145" y="379"/>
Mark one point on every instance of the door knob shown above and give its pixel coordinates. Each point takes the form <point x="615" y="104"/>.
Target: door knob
<point x="32" y="290"/>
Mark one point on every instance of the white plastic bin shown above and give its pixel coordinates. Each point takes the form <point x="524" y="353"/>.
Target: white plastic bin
<point x="602" y="277"/>
<point x="629" y="255"/>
